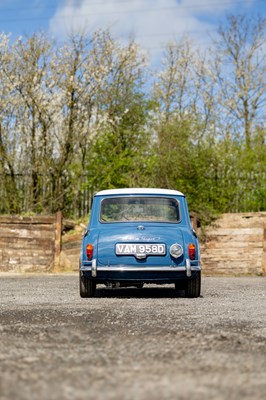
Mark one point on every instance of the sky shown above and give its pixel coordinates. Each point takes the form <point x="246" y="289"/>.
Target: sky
<point x="152" y="23"/>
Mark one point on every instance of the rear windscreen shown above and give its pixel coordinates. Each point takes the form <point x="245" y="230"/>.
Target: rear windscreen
<point x="124" y="209"/>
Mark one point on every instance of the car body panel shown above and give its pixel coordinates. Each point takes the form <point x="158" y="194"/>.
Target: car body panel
<point x="149" y="235"/>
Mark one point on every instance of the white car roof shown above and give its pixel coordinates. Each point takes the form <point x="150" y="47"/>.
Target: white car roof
<point x="129" y="191"/>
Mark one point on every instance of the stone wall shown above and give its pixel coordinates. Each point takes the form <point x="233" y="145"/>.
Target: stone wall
<point x="30" y="244"/>
<point x="235" y="244"/>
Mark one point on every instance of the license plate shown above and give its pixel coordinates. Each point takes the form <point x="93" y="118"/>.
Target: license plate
<point x="153" y="249"/>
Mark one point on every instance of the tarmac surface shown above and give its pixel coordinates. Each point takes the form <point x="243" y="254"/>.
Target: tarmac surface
<point x="150" y="343"/>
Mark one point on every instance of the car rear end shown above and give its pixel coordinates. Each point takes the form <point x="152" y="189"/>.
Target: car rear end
<point x="140" y="237"/>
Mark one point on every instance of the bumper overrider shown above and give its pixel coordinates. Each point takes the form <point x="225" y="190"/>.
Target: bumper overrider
<point x="97" y="269"/>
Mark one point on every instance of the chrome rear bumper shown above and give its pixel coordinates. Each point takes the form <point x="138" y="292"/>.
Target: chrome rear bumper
<point x="120" y="268"/>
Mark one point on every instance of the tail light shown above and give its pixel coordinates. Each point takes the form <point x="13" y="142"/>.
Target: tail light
<point x="192" y="251"/>
<point x="89" y="251"/>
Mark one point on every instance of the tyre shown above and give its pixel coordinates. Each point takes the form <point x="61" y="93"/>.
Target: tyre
<point x="193" y="286"/>
<point x="87" y="286"/>
<point x="139" y="285"/>
<point x="179" y="285"/>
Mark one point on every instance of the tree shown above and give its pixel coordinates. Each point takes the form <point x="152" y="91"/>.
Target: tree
<point x="81" y="117"/>
<point x="9" y="137"/>
<point x="185" y="122"/>
<point x="241" y="72"/>
<point x="73" y="118"/>
<point x="175" y="89"/>
<point x="121" y="107"/>
<point x="27" y="71"/>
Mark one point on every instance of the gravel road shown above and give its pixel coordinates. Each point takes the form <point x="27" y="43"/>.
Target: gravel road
<point x="128" y="344"/>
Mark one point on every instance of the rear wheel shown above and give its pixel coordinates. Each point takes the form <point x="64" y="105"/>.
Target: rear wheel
<point x="87" y="286"/>
<point x="139" y="285"/>
<point x="193" y="286"/>
<point x="179" y="285"/>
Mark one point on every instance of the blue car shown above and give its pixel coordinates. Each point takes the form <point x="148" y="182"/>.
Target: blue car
<point x="140" y="236"/>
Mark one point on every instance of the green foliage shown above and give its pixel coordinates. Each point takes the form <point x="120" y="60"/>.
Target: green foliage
<point x="216" y="176"/>
<point x="84" y="117"/>
<point x="115" y="158"/>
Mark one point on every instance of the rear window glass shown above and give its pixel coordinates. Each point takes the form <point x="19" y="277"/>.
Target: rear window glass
<point x="129" y="209"/>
